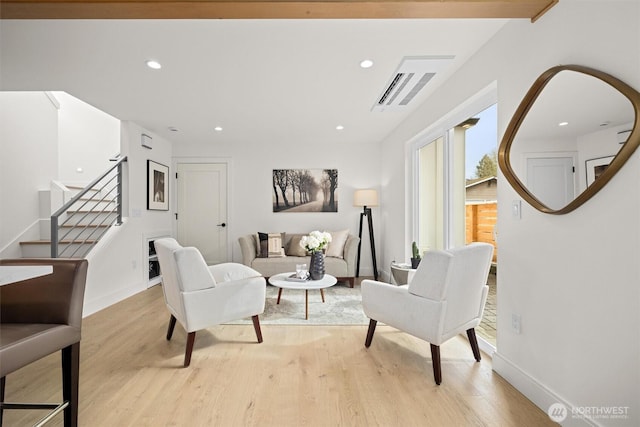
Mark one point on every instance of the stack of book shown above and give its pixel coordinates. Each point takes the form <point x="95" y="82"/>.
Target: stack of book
<point x="294" y="278"/>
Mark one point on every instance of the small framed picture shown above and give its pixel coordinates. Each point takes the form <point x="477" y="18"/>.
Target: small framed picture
<point x="157" y="186"/>
<point x="595" y="168"/>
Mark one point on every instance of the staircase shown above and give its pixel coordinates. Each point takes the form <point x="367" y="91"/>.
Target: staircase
<point x="80" y="223"/>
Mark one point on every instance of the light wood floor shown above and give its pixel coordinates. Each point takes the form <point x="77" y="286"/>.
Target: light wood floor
<point x="299" y="376"/>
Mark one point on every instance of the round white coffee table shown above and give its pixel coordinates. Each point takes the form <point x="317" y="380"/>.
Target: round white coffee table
<point x="280" y="281"/>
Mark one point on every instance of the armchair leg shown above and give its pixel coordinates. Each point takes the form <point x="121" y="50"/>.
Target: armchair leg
<point x="471" y="334"/>
<point x="172" y="324"/>
<point x="70" y="383"/>
<point x="372" y="329"/>
<point x="191" y="338"/>
<point x="256" y="326"/>
<point x="435" y="357"/>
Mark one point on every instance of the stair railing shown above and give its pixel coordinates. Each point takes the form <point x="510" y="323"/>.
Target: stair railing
<point x="98" y="212"/>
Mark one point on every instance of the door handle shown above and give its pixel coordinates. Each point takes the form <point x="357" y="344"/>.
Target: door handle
<point x="222" y="225"/>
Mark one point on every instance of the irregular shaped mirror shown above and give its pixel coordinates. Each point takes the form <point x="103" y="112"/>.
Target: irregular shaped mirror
<point x="572" y="132"/>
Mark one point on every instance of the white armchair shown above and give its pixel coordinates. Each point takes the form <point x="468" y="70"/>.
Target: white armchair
<point x="445" y="297"/>
<point x="200" y="296"/>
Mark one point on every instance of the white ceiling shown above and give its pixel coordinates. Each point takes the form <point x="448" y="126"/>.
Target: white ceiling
<point x="261" y="80"/>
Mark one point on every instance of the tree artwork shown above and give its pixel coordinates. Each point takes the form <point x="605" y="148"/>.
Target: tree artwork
<point x="281" y="179"/>
<point x="332" y="177"/>
<point x="305" y="190"/>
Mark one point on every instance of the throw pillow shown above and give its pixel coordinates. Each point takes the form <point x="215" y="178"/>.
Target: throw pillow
<point x="269" y="245"/>
<point x="294" y="248"/>
<point x="336" y="247"/>
<point x="262" y="248"/>
<point x="276" y="240"/>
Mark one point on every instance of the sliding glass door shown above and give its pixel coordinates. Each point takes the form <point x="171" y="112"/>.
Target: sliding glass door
<point x="431" y="195"/>
<point x="455" y="178"/>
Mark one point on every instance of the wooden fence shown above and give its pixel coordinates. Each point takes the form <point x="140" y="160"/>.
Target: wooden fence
<point x="480" y="223"/>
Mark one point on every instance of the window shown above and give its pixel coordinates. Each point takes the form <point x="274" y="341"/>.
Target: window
<point x="455" y="180"/>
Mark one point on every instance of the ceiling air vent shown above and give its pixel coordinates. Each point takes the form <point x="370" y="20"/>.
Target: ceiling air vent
<point x="411" y="76"/>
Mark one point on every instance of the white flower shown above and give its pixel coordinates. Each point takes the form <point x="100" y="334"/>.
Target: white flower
<point x="315" y="241"/>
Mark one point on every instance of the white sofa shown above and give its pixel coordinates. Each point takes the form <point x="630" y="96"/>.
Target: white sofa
<point x="343" y="268"/>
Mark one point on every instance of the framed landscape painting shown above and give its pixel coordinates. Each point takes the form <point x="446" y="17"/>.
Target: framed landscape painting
<point x="305" y="190"/>
<point x="157" y="186"/>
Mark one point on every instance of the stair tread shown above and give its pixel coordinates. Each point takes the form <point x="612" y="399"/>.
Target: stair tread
<point x="64" y="242"/>
<point x="77" y="187"/>
<point x="86" y="226"/>
<point x="90" y="211"/>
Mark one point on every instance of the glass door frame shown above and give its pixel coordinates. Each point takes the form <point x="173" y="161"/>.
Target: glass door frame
<point x="444" y="128"/>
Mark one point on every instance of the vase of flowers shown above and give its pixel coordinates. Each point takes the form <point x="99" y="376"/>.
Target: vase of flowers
<point x="315" y="243"/>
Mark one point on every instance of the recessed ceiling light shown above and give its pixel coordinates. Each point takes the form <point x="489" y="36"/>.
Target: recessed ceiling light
<point x="155" y="65"/>
<point x="218" y="129"/>
<point x="563" y="123"/>
<point x="367" y="63"/>
<point x="339" y="127"/>
<point x="173" y="129"/>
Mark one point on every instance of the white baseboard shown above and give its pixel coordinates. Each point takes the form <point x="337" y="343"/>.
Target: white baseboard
<point x="535" y="391"/>
<point x="484" y="346"/>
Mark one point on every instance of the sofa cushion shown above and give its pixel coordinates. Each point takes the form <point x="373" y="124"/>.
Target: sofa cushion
<point x="336" y="247"/>
<point x="270" y="245"/>
<point x="294" y="248"/>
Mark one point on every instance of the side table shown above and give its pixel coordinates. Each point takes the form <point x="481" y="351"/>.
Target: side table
<point x="402" y="273"/>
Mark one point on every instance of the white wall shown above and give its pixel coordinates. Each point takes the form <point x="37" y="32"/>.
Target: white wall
<point x="87" y="137"/>
<point x="574" y="279"/>
<point x="250" y="172"/>
<point x="117" y="268"/>
<point x="28" y="136"/>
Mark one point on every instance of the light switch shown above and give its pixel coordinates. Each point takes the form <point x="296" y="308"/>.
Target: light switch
<point x="516" y="209"/>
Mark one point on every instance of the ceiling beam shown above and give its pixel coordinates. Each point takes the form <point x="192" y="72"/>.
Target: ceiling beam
<point x="272" y="9"/>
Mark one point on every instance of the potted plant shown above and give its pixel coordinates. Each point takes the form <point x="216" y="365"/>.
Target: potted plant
<point x="415" y="255"/>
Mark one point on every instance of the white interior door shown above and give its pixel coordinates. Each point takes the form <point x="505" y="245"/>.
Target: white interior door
<point x="551" y="180"/>
<point x="202" y="209"/>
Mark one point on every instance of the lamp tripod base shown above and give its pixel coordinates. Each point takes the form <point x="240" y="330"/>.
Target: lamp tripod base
<point x="367" y="212"/>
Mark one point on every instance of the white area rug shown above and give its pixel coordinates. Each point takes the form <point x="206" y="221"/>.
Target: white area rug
<point x="342" y="306"/>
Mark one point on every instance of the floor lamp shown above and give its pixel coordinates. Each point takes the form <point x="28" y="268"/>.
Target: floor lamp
<point x="366" y="198"/>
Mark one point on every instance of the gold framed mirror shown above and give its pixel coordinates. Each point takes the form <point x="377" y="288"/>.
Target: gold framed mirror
<point x="569" y="136"/>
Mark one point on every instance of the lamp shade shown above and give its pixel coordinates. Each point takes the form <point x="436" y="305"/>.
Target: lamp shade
<point x="366" y="197"/>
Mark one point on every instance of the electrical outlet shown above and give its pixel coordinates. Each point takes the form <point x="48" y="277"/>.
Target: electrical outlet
<point x="516" y="323"/>
<point x="134" y="265"/>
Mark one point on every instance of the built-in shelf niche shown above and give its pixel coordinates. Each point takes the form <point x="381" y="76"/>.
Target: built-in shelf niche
<point x="153" y="274"/>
